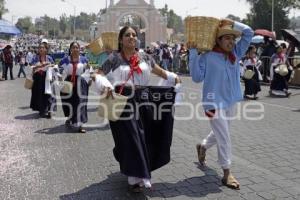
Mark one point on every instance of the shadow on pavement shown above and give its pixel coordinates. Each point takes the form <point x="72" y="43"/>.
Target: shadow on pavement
<point x="28" y="117"/>
<point x="24" y="107"/>
<point x="115" y="187"/>
<point x="55" y="130"/>
<point x="60" y="129"/>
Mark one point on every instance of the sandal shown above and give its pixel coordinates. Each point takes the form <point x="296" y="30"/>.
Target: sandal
<point x="136" y="188"/>
<point x="201" y="154"/>
<point x="231" y="182"/>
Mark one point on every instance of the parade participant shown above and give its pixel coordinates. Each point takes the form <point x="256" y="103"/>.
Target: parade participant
<point x="73" y="68"/>
<point x="250" y="62"/>
<point x="279" y="81"/>
<point x="40" y="100"/>
<point x="8" y="60"/>
<point x="21" y="62"/>
<point x="220" y="72"/>
<point x="142" y="144"/>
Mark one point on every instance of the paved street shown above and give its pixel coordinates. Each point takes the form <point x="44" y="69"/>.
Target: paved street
<point x="41" y="160"/>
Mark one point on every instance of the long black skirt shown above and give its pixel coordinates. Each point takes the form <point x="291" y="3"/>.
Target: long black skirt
<point x="280" y="82"/>
<point x="39" y="100"/>
<point x="75" y="104"/>
<point x="143" y="142"/>
<point x="252" y="86"/>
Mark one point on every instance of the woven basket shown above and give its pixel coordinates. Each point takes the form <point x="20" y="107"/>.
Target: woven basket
<point x="110" y="40"/>
<point x="28" y="83"/>
<point x="201" y="32"/>
<point x="96" y="46"/>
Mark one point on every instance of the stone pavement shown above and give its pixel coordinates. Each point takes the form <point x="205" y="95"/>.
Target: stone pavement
<point x="41" y="160"/>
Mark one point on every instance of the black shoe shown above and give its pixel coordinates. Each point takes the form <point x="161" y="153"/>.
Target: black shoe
<point x="81" y="130"/>
<point x="136" y="188"/>
<point x="68" y="123"/>
<point x="48" y="115"/>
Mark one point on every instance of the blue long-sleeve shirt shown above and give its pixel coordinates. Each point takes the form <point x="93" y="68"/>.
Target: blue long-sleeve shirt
<point x="221" y="78"/>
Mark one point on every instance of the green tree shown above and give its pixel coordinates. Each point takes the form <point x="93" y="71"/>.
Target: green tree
<point x="173" y="20"/>
<point x="63" y="23"/>
<point x="3" y="10"/>
<point x="260" y="16"/>
<point x="25" y="24"/>
<point x="234" y="18"/>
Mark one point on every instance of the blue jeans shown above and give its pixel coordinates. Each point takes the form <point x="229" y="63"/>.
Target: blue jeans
<point x="165" y="63"/>
<point x="21" y="70"/>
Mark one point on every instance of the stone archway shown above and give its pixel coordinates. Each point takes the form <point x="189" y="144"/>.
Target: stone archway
<point x="155" y="24"/>
<point x="141" y="30"/>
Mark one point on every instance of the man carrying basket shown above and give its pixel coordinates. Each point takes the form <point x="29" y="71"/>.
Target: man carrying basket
<point x="220" y="72"/>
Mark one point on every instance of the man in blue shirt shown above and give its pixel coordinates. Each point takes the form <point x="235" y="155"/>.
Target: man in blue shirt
<point x="220" y="72"/>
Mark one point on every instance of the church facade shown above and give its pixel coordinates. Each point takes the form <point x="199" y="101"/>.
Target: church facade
<point x="155" y="25"/>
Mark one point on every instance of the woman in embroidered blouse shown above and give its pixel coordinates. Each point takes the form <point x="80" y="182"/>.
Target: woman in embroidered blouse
<point x="74" y="68"/>
<point x="40" y="100"/>
<point x="252" y="86"/>
<point x="279" y="83"/>
<point x="130" y="67"/>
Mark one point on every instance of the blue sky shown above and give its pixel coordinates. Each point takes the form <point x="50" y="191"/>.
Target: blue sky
<point x="55" y="8"/>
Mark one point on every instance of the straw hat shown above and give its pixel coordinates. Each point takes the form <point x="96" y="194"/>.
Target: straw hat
<point x="227" y="30"/>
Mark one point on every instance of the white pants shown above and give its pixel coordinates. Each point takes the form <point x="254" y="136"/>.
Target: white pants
<point x="220" y="135"/>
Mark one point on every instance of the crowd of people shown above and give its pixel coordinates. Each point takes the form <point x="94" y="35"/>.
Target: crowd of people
<point x="142" y="141"/>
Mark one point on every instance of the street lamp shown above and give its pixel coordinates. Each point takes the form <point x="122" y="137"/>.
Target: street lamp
<point x="74" y="7"/>
<point x="272" y="24"/>
<point x="189" y="11"/>
<point x="12" y="19"/>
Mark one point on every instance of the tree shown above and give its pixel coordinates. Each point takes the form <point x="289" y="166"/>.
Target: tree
<point x="63" y="23"/>
<point x="25" y="24"/>
<point x="260" y="16"/>
<point x="3" y="10"/>
<point x="234" y="18"/>
<point x="173" y="20"/>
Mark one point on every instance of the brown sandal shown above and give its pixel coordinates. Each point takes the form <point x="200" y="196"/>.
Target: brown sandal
<point x="231" y="182"/>
<point x="201" y="154"/>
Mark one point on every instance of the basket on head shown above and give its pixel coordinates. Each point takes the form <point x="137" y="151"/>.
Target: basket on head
<point x="110" y="40"/>
<point x="201" y="32"/>
<point x="96" y="46"/>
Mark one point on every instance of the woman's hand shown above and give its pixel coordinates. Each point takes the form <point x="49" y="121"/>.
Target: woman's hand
<point x="109" y="92"/>
<point x="177" y="80"/>
<point x="225" y="22"/>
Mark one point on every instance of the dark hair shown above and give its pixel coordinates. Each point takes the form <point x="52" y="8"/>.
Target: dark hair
<point x="283" y="45"/>
<point x="121" y="34"/>
<point x="45" y="45"/>
<point x="250" y="48"/>
<point x="71" y="45"/>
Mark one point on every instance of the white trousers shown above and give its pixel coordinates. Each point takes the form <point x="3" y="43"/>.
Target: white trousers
<point x="220" y="135"/>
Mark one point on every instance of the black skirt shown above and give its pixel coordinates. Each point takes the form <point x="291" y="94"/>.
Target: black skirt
<point x="280" y="82"/>
<point x="252" y="86"/>
<point x="39" y="100"/>
<point x="75" y="104"/>
<point x="143" y="142"/>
